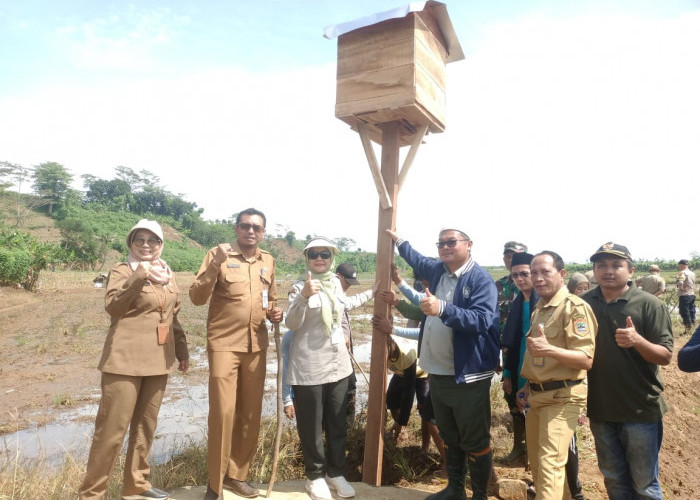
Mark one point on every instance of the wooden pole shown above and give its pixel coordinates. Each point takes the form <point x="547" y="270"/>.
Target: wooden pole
<point x="376" y="402"/>
<point x="280" y="411"/>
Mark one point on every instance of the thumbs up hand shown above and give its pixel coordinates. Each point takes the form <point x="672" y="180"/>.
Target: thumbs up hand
<point x="430" y="305"/>
<point x="627" y="337"/>
<point x="311" y="286"/>
<point x="537" y="343"/>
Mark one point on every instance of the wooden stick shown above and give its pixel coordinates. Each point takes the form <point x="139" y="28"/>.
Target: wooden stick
<point x="384" y="199"/>
<point x="358" y="365"/>
<point x="280" y="411"/>
<point x="408" y="161"/>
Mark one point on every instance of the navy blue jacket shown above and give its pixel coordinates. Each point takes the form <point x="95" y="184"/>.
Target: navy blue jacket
<point x="472" y="315"/>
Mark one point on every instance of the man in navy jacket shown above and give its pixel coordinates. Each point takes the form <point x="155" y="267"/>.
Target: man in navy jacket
<point x="458" y="347"/>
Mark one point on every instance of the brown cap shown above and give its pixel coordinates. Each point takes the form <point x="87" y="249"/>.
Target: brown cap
<point x="654" y="267"/>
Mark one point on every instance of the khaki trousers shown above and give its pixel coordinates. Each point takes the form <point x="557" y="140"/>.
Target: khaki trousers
<point x="127" y="402"/>
<point x="236" y="383"/>
<point x="549" y="426"/>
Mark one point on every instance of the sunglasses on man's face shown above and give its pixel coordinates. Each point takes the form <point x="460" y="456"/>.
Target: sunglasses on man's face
<point x="523" y="274"/>
<point x="448" y="243"/>
<point x="324" y="254"/>
<point x="245" y="226"/>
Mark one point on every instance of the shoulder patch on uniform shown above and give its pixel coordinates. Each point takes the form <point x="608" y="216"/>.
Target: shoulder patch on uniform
<point x="580" y="325"/>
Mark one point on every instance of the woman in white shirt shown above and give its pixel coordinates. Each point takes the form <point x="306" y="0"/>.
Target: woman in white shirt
<point x="319" y="368"/>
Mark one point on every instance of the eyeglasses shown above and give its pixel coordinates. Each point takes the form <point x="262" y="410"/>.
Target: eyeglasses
<point x="152" y="242"/>
<point x="246" y="226"/>
<point x="448" y="243"/>
<point x="524" y="274"/>
<point x="324" y="254"/>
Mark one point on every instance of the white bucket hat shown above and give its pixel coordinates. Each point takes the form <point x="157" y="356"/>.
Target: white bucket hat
<point x="322" y="242"/>
<point x="149" y="225"/>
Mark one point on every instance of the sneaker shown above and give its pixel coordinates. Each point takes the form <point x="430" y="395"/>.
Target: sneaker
<point x="152" y="494"/>
<point x="341" y="486"/>
<point x="318" y="489"/>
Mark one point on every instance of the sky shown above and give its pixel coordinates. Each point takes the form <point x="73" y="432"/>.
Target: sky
<point x="569" y="123"/>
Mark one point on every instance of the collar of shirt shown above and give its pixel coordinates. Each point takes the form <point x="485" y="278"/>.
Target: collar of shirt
<point x="597" y="292"/>
<point x="468" y="265"/>
<point x="557" y="299"/>
<point x="236" y="250"/>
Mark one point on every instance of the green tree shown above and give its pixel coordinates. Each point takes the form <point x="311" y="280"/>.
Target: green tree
<point x="290" y="238"/>
<point x="344" y="244"/>
<point x="83" y="245"/>
<point x="52" y="182"/>
<point x="115" y="194"/>
<point x="17" y="175"/>
<point x="6" y="175"/>
<point x="22" y="258"/>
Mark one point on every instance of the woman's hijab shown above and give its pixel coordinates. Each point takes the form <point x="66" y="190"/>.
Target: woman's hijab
<point x="159" y="271"/>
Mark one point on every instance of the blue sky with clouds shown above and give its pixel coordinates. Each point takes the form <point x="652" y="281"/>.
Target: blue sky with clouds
<point x="582" y="114"/>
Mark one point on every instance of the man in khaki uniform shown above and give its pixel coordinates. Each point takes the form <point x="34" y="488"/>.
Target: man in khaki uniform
<point x="560" y="347"/>
<point x="653" y="283"/>
<point x="240" y="279"/>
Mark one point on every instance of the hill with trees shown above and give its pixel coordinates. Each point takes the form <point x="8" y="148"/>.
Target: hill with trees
<point x="44" y="222"/>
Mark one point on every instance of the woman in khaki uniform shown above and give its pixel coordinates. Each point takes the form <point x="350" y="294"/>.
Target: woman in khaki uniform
<point x="143" y="342"/>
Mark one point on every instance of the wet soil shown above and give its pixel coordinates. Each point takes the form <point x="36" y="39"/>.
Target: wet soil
<point x="51" y="340"/>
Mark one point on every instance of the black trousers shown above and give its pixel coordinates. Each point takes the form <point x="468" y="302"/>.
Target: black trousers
<point x="318" y="408"/>
<point x="686" y="307"/>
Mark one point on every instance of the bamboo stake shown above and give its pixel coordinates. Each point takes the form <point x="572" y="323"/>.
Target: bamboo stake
<point x="280" y="411"/>
<point x="358" y="365"/>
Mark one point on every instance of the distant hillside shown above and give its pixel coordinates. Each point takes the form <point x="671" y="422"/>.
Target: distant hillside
<point x="36" y="223"/>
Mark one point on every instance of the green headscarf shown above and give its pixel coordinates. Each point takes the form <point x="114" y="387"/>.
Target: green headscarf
<point x="330" y="312"/>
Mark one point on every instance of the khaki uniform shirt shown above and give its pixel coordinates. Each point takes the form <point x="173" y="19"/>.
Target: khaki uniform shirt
<point x="685" y="281"/>
<point x="131" y="347"/>
<point x="236" y="319"/>
<point x="569" y="323"/>
<point x="653" y="283"/>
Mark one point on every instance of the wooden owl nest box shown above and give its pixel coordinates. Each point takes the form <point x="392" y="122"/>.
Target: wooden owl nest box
<point x="391" y="67"/>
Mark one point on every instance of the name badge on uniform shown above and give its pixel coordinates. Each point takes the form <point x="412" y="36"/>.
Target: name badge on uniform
<point x="337" y="336"/>
<point x="264" y="298"/>
<point x="231" y="265"/>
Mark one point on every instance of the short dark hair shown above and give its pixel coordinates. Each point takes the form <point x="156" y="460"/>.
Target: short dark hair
<point x="251" y="211"/>
<point x="558" y="261"/>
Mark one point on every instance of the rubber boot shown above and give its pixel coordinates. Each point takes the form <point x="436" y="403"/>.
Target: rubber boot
<point x="519" y="450"/>
<point x="480" y="473"/>
<point x="456" y="465"/>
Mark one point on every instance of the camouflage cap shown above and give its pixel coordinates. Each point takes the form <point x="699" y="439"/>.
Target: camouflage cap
<point x="514" y="246"/>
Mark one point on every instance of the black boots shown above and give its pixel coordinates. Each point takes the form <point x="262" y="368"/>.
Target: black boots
<point x="456" y="467"/>
<point x="480" y="473"/>
<point x="519" y="449"/>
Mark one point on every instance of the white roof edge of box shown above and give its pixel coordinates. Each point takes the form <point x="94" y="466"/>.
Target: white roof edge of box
<point x="454" y="49"/>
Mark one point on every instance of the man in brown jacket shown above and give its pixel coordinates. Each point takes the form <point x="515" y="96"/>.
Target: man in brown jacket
<point x="240" y="279"/>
